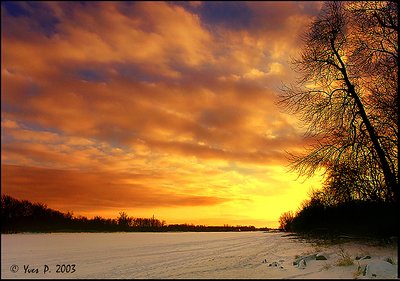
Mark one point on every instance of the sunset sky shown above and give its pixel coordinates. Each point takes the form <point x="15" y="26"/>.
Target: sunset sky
<point x="152" y="108"/>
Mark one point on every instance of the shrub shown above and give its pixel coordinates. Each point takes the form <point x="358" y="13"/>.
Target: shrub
<point x="345" y="259"/>
<point x="285" y="221"/>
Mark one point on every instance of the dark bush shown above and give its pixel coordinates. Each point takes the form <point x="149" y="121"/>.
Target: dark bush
<point x="363" y="218"/>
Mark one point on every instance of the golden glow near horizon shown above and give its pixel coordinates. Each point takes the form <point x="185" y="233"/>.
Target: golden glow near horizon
<point x="152" y="108"/>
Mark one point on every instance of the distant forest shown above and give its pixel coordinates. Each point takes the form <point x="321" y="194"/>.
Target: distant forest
<point x="24" y="216"/>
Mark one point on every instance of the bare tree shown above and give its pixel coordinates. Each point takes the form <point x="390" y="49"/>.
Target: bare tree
<point x="285" y="221"/>
<point x="344" y="184"/>
<point x="348" y="90"/>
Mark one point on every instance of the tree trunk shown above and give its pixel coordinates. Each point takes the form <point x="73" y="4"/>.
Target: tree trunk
<point x="390" y="177"/>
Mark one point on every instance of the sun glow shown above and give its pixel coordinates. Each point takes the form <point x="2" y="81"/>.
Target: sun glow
<point x="153" y="108"/>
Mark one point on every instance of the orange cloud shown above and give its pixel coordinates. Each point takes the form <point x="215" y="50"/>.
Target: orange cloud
<point x="155" y="34"/>
<point x="100" y="189"/>
<point x="94" y="91"/>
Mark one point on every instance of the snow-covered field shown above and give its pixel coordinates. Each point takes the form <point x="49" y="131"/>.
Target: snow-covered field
<point x="186" y="255"/>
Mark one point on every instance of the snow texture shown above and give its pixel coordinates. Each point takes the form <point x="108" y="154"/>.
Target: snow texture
<point x="184" y="255"/>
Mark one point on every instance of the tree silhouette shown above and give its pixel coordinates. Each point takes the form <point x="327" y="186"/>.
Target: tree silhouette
<point x="347" y="94"/>
<point x="285" y="221"/>
<point x="22" y="215"/>
<point x="124" y="220"/>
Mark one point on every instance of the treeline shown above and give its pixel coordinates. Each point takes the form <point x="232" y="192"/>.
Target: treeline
<point x="345" y="204"/>
<point x="24" y="216"/>
<point x="347" y="95"/>
<point x="357" y="218"/>
<point x="204" y="228"/>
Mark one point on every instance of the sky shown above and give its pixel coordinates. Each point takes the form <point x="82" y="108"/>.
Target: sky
<point x="153" y="108"/>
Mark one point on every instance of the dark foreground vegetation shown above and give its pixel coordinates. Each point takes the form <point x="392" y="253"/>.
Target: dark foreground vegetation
<point x="355" y="218"/>
<point x="347" y="96"/>
<point x="24" y="216"/>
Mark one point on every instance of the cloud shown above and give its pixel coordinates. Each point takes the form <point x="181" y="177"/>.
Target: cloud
<point x="174" y="89"/>
<point x="155" y="34"/>
<point x="225" y="115"/>
<point x="100" y="189"/>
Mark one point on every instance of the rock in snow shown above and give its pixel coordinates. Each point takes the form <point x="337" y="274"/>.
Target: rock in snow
<point x="302" y="264"/>
<point x="305" y="258"/>
<point x="320" y="256"/>
<point x="378" y="269"/>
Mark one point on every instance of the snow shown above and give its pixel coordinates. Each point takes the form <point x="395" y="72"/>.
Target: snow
<point x="186" y="255"/>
